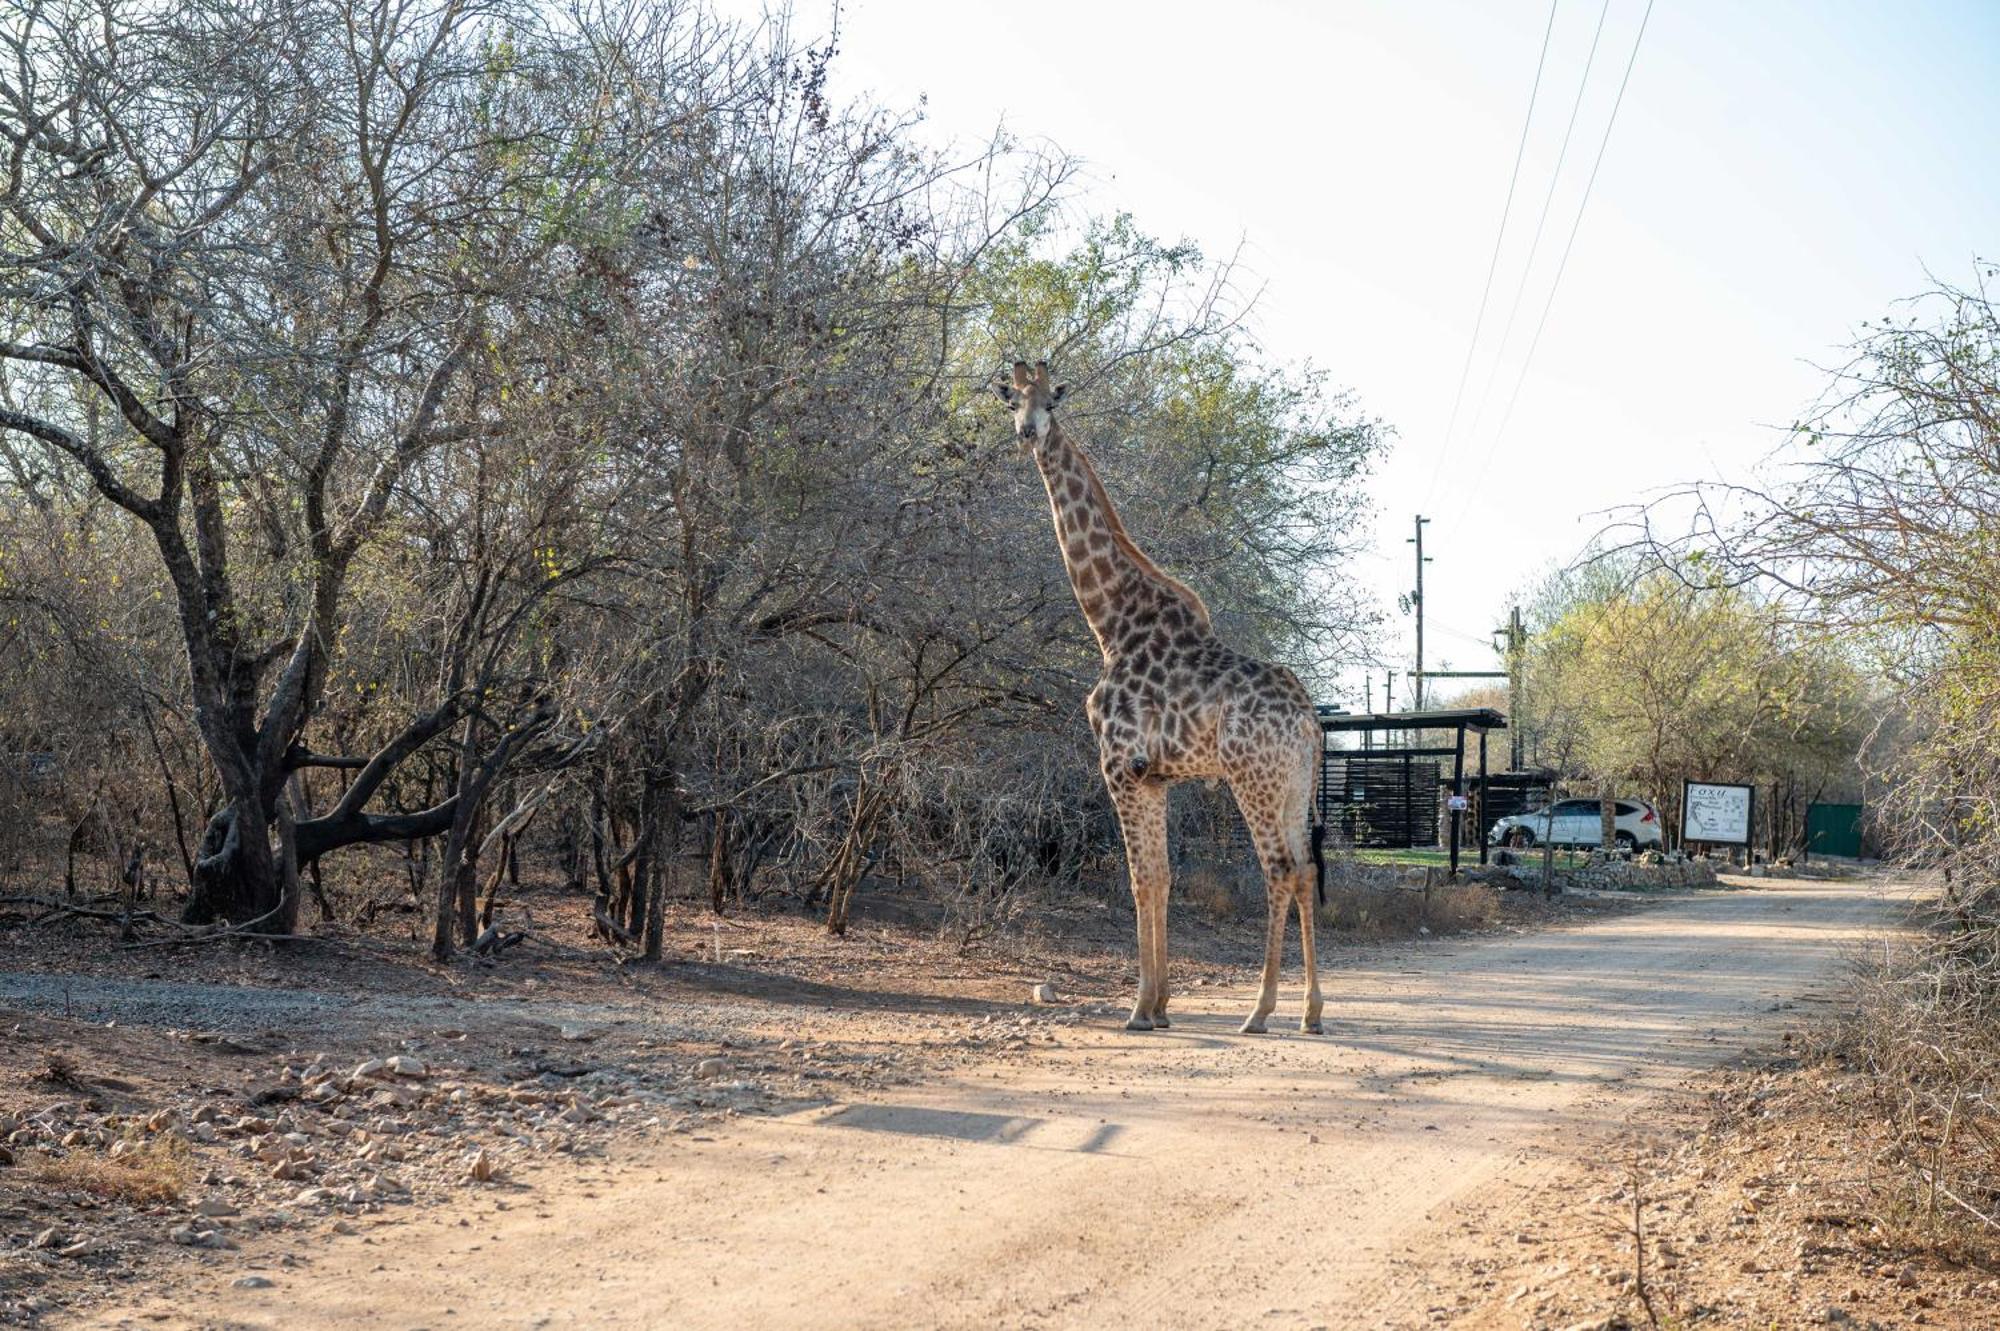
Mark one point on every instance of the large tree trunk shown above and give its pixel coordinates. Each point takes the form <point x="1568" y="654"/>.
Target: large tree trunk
<point x="235" y="869"/>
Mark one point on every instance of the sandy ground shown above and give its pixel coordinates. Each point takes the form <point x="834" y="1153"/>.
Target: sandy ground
<point x="1187" y="1178"/>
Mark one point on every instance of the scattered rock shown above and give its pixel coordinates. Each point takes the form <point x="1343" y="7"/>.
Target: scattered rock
<point x="481" y="1168"/>
<point x="371" y="1068"/>
<point x="1045" y="992"/>
<point x="403" y="1065"/>
<point x="710" y="1068"/>
<point x="47" y="1238"/>
<point x="251" y="1282"/>
<point x="190" y="1237"/>
<point x="84" y="1247"/>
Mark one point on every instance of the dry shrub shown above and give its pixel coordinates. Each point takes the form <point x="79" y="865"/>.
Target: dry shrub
<point x="1212" y="890"/>
<point x="1924" y="1038"/>
<point x="1372" y="910"/>
<point x="155" y="1170"/>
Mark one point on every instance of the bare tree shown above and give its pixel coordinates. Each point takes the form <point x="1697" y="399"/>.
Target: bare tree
<point x="261" y="262"/>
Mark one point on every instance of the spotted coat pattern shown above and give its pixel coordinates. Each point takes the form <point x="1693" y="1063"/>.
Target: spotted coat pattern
<point x="1174" y="703"/>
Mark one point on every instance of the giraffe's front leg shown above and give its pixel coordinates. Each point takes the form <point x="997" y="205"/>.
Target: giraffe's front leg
<point x="1142" y="816"/>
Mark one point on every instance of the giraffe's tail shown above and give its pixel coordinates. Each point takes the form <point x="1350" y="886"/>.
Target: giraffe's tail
<point x="1319" y="854"/>
<point x="1318" y="824"/>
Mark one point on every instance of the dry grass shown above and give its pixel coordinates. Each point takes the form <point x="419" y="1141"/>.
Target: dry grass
<point x="1213" y="890"/>
<point x="155" y="1170"/>
<point x="1920" y="1050"/>
<point x="1368" y="911"/>
<point x="1363" y="902"/>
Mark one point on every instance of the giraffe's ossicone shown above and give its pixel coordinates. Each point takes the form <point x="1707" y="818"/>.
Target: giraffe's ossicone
<point x="1173" y="703"/>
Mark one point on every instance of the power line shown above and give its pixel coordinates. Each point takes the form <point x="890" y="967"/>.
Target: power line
<point x="1563" y="264"/>
<point x="1493" y="264"/>
<point x="1541" y="222"/>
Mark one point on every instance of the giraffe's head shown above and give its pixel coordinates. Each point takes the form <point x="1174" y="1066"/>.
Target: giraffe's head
<point x="1033" y="400"/>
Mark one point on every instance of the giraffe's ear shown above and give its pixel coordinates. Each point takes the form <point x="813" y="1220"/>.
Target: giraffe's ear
<point x="1004" y="391"/>
<point x="1057" y="396"/>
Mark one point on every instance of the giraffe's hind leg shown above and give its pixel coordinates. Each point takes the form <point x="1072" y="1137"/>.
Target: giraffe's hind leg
<point x="1309" y="1022"/>
<point x="1160" y="1021"/>
<point x="1274" y="951"/>
<point x="1276" y="822"/>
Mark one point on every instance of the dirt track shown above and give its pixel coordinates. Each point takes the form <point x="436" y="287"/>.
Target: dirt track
<point x="1192" y="1177"/>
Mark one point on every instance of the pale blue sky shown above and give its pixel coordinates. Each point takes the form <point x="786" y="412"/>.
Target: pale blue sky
<point x="1778" y="173"/>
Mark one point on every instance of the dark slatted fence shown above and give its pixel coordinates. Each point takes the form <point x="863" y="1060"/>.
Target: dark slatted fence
<point x="1389" y="802"/>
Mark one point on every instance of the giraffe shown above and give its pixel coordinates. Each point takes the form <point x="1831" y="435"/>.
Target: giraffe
<point x="1173" y="703"/>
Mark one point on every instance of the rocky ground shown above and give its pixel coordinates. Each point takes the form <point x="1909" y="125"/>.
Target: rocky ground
<point x="169" y="1108"/>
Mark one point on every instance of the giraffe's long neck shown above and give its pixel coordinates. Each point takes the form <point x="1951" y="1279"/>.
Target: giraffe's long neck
<point x="1109" y="573"/>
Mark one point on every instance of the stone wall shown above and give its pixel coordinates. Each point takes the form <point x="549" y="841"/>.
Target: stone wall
<point x="1649" y="872"/>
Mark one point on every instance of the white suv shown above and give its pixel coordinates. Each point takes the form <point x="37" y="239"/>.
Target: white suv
<point x="1579" y="823"/>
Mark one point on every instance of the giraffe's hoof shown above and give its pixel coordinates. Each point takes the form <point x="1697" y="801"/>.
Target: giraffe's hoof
<point x="1138" y="1023"/>
<point x="1312" y="1027"/>
<point x="1160" y="1022"/>
<point x="1251" y="1026"/>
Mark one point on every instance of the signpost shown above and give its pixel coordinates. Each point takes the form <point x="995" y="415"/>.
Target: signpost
<point x="1717" y="813"/>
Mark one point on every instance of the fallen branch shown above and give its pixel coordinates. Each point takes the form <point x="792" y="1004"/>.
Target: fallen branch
<point x="243" y="930"/>
<point x="491" y="942"/>
<point x="62" y="910"/>
<point x="617" y="931"/>
<point x="226" y="935"/>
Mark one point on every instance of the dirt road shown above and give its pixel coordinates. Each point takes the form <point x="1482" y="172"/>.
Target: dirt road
<point x="1192" y="1177"/>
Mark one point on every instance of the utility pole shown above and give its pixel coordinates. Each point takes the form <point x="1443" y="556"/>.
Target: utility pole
<point x="1517" y="641"/>
<point x="1368" y="691"/>
<point x="1417" y="605"/>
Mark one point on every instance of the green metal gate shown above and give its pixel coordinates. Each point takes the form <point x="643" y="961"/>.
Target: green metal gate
<point x="1833" y="829"/>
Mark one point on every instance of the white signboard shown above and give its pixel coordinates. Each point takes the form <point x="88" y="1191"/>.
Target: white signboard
<point x="1716" y="811"/>
<point x="1458" y="803"/>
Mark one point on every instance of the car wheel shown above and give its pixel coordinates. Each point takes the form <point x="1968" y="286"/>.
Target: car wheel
<point x="1521" y="838"/>
<point x="1626" y="841"/>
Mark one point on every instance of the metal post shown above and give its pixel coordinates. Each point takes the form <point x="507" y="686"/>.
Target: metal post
<point x="1457" y="790"/>
<point x="1479" y="828"/>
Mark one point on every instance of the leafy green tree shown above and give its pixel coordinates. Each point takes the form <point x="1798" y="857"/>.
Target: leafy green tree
<point x="1640" y="683"/>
